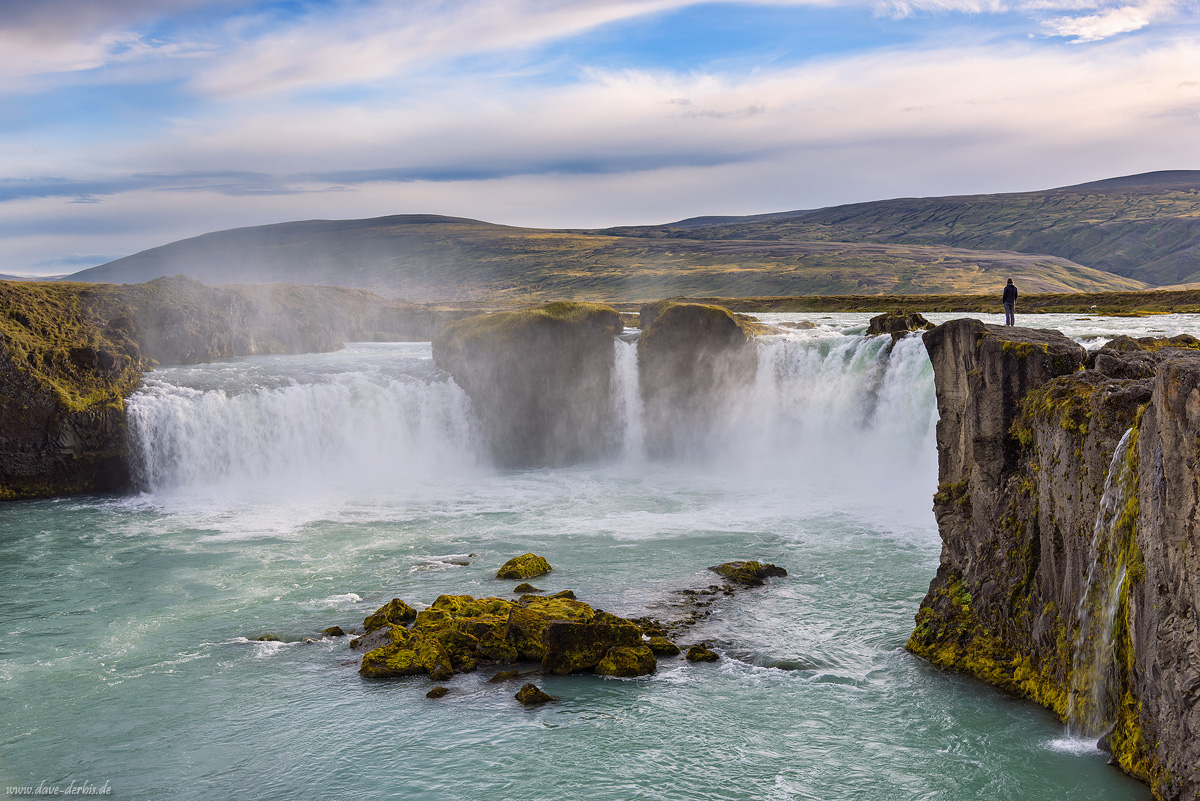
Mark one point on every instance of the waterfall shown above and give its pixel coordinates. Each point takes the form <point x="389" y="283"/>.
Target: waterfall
<point x="627" y="400"/>
<point x="828" y="411"/>
<point x="341" y="428"/>
<point x="1093" y="692"/>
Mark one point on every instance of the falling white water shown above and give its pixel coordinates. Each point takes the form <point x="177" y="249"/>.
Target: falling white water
<point x="627" y="399"/>
<point x="1094" y="674"/>
<point x="299" y="430"/>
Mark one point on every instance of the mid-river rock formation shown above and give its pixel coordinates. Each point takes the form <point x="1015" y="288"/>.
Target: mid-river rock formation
<point x="694" y="361"/>
<point x="1062" y="580"/>
<point x="71" y="353"/>
<point x="539" y="379"/>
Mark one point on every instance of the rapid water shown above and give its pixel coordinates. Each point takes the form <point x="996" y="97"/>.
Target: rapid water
<point x="287" y="494"/>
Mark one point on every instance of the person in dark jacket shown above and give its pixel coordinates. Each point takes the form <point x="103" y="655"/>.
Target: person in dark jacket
<point x="1010" y="303"/>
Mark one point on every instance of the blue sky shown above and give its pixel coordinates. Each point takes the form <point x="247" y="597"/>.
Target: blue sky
<point x="126" y="124"/>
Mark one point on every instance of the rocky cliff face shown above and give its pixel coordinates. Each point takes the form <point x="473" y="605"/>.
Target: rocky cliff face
<point x="540" y="380"/>
<point x="694" y="360"/>
<point x="1068" y="501"/>
<point x="71" y="353"/>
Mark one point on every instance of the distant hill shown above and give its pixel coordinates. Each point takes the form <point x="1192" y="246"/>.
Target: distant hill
<point x="1119" y="234"/>
<point x="1145" y="227"/>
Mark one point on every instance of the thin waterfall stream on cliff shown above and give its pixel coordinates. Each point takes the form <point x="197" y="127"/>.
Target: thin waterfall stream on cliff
<point x="283" y="495"/>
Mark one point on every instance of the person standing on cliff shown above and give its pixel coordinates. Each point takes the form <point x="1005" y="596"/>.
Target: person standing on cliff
<point x="1010" y="303"/>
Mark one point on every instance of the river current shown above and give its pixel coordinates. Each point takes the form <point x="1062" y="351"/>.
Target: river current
<point x="283" y="495"/>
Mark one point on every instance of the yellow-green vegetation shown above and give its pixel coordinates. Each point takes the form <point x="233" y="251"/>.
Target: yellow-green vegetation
<point x="1065" y="401"/>
<point x="949" y="635"/>
<point x="50" y="337"/>
<point x="525" y="566"/>
<point x="457" y="632"/>
<point x="956" y="493"/>
<point x="749" y="573"/>
<point x="507" y="329"/>
<point x="626" y="662"/>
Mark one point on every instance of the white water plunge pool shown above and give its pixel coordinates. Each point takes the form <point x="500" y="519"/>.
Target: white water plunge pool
<point x="288" y="494"/>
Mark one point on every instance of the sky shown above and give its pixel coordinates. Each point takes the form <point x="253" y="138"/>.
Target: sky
<point x="127" y="124"/>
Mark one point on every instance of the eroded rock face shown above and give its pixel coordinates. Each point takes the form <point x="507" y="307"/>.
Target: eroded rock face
<point x="539" y="379"/>
<point x="1025" y="442"/>
<point x="694" y="361"/>
<point x="897" y="324"/>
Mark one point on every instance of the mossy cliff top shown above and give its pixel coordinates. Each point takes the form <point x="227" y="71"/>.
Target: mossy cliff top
<point x="667" y="322"/>
<point x="511" y="329"/>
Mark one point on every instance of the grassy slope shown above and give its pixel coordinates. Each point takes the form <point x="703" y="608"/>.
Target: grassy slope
<point x="1144" y="227"/>
<point x="439" y="258"/>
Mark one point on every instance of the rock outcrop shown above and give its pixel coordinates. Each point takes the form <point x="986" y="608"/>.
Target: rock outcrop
<point x="897" y="324"/>
<point x="1068" y="503"/>
<point x="539" y="379"/>
<point x="694" y="361"/>
<point x="71" y="353"/>
<point x="527" y="565"/>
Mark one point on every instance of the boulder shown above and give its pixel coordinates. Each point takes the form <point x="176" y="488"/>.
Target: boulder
<point x="627" y="662"/>
<point x="661" y="646"/>
<point x="573" y="647"/>
<point x="394" y="611"/>
<point x="526" y="588"/>
<point x="898" y="324"/>
<point x="698" y="653"/>
<point x="504" y="675"/>
<point x="531" y="695"/>
<point x="748" y="574"/>
<point x="695" y="361"/>
<point x="539" y="379"/>
<point x="437" y="692"/>
<point x="524" y="566"/>
<point x="333" y="631"/>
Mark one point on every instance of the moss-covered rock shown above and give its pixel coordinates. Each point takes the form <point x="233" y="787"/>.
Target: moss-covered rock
<point x="897" y="323"/>
<point x="503" y="676"/>
<point x="627" y="662"/>
<point x="661" y="646"/>
<point x="694" y="361"/>
<point x="437" y="692"/>
<point x="525" y="566"/>
<point x="531" y="695"/>
<point x="390" y="661"/>
<point x="393" y="612"/>
<point x="334" y="631"/>
<point x="526" y="587"/>
<point x="570" y="647"/>
<point x="699" y="653"/>
<point x="748" y="574"/>
<point x="539" y="379"/>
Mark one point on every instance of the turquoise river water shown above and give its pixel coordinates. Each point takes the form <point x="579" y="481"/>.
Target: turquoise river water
<point x="287" y="494"/>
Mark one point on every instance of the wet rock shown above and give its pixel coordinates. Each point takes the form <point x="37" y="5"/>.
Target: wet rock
<point x="523" y="567"/>
<point x="748" y="574"/>
<point x="268" y="638"/>
<point x="572" y="647"/>
<point x="394" y="611"/>
<point x="627" y="662"/>
<point x="503" y="676"/>
<point x="695" y="362"/>
<point x="526" y="588"/>
<point x="698" y="653"/>
<point x="539" y="379"/>
<point x="661" y="646"/>
<point x="897" y="324"/>
<point x="437" y="692"/>
<point x="796" y="325"/>
<point x="564" y="594"/>
<point x="333" y="631"/>
<point x="531" y="695"/>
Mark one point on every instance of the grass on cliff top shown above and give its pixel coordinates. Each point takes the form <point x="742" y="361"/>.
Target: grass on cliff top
<point x="503" y="326"/>
<point x="47" y="335"/>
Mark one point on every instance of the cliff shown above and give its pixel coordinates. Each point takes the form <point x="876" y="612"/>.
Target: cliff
<point x="71" y="353"/>
<point x="539" y="379"/>
<point x="694" y="360"/>
<point x="1068" y="499"/>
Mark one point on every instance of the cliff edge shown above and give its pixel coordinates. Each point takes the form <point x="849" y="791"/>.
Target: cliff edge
<point x="1068" y="502"/>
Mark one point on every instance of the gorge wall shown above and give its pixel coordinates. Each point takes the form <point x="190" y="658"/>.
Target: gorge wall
<point x="1068" y="502"/>
<point x="71" y="353"/>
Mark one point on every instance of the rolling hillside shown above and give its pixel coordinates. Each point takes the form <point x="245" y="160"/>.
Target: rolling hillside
<point x="1117" y="235"/>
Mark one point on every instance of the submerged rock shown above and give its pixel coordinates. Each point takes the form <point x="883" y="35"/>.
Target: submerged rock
<point x="504" y="675"/>
<point x="333" y="631"/>
<point x="524" y="566"/>
<point x="748" y="574"/>
<point x="531" y="695"/>
<point x="437" y="692"/>
<point x="540" y="380"/>
<point x="661" y="646"/>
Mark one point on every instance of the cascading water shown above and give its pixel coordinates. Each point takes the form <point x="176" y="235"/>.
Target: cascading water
<point x="1094" y="671"/>
<point x="627" y="399"/>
